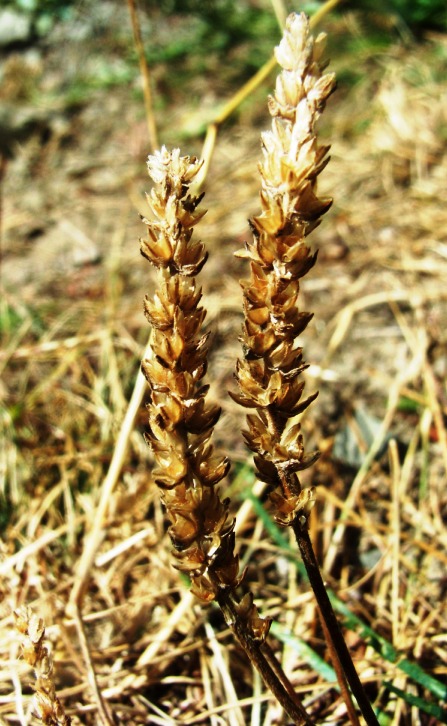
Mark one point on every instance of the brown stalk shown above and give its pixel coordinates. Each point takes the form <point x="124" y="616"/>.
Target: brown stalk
<point x="181" y="421"/>
<point x="338" y="649"/>
<point x="269" y="375"/>
<point x="262" y="658"/>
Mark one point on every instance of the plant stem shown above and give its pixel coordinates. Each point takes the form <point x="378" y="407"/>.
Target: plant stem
<point x="336" y="643"/>
<point x="268" y="667"/>
<point x="277" y="668"/>
<point x="145" y="75"/>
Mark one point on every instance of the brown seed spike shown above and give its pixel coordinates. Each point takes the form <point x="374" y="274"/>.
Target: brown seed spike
<point x="268" y="377"/>
<point x="181" y="421"/>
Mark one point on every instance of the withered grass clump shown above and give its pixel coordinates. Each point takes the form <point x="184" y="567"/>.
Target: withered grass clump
<point x="269" y="376"/>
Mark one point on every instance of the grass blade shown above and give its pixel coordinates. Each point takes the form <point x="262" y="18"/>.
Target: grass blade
<point x="305" y="651"/>
<point x="431" y="708"/>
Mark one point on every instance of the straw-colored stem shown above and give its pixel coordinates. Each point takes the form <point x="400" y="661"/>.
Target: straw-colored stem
<point x="105" y="717"/>
<point x="145" y="75"/>
<point x="94" y="537"/>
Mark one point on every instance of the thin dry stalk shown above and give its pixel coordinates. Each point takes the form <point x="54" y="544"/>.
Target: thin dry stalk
<point x="104" y="716"/>
<point x="235" y="715"/>
<point x="145" y="75"/>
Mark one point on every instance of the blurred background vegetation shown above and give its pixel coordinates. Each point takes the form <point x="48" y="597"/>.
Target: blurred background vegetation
<point x="223" y="17"/>
<point x="222" y="43"/>
<point x="215" y="26"/>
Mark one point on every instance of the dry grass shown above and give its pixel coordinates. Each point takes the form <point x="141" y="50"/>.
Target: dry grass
<point x="70" y="352"/>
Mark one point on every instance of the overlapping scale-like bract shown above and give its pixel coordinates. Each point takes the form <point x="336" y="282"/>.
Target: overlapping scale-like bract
<point x="269" y="375"/>
<point x="181" y="420"/>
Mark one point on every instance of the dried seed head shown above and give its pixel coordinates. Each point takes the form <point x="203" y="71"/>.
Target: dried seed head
<point x="181" y="421"/>
<point x="269" y="375"/>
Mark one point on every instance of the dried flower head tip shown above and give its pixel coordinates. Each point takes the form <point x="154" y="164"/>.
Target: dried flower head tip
<point x="32" y="632"/>
<point x="292" y="157"/>
<point x="174" y="213"/>
<point x="166" y="165"/>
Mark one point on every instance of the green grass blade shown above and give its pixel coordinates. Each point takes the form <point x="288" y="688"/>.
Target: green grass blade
<point x="305" y="651"/>
<point x="431" y="708"/>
